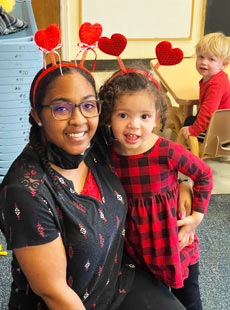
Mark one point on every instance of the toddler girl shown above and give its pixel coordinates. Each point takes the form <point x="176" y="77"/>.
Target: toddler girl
<point x="148" y="165"/>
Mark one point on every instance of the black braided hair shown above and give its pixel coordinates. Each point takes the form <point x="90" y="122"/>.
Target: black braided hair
<point x="35" y="138"/>
<point x="129" y="83"/>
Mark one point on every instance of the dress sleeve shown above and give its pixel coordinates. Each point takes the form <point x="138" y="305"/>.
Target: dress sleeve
<point x="187" y="163"/>
<point x="28" y="219"/>
<point x="210" y="104"/>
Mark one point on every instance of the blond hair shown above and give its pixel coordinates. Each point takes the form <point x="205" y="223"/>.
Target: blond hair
<point x="216" y="44"/>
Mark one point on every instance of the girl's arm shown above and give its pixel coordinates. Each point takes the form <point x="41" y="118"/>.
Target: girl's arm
<point x="184" y="210"/>
<point x="209" y="105"/>
<point x="45" y="269"/>
<point x="188" y="164"/>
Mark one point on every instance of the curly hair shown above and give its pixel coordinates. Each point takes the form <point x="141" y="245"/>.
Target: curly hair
<point x="35" y="138"/>
<point x="129" y="83"/>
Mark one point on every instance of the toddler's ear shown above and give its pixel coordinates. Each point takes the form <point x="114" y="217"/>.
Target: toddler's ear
<point x="225" y="63"/>
<point x="157" y="123"/>
<point x="157" y="119"/>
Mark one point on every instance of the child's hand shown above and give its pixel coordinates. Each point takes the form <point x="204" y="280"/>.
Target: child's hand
<point x="188" y="226"/>
<point x="185" y="132"/>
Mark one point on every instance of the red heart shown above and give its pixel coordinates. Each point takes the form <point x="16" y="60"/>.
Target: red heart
<point x="90" y="34"/>
<point x="48" y="38"/>
<point x="167" y="55"/>
<point x="113" y="46"/>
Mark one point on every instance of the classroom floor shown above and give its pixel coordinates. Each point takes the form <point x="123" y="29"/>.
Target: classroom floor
<point x="220" y="167"/>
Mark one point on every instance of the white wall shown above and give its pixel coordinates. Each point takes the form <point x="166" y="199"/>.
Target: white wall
<point x="70" y="21"/>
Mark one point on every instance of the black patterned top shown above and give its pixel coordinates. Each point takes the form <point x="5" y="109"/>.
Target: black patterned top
<point x="92" y="230"/>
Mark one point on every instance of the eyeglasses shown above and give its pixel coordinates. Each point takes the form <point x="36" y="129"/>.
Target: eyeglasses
<point x="64" y="111"/>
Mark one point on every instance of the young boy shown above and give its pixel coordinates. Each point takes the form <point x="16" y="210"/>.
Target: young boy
<point x="213" y="55"/>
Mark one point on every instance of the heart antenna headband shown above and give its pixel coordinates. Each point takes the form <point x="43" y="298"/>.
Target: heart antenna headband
<point x="166" y="55"/>
<point x="89" y="36"/>
<point x="115" y="47"/>
<point x="48" y="42"/>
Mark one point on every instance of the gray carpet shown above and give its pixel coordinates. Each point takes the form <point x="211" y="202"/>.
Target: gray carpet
<point x="214" y="234"/>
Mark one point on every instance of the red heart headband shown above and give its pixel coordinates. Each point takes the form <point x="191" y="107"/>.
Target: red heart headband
<point x="61" y="65"/>
<point x="166" y="55"/>
<point x="115" y="47"/>
<point x="89" y="36"/>
<point x="48" y="42"/>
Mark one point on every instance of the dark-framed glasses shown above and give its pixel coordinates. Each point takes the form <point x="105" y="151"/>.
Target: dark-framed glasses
<point x="63" y="111"/>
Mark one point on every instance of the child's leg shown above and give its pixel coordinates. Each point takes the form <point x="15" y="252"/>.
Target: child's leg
<point x="189" y="120"/>
<point x="189" y="295"/>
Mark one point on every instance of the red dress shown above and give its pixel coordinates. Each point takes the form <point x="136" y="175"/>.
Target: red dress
<point x="150" y="181"/>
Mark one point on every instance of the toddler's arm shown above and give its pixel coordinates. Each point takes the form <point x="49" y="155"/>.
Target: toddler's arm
<point x="184" y="161"/>
<point x="210" y="103"/>
<point x="185" y="199"/>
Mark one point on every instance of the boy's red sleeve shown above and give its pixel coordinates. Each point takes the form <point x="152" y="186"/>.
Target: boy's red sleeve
<point x="208" y="107"/>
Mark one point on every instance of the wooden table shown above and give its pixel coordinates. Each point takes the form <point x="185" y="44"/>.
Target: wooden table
<point x="182" y="82"/>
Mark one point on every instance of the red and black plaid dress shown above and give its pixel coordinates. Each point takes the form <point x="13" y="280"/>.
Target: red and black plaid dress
<point x="151" y="184"/>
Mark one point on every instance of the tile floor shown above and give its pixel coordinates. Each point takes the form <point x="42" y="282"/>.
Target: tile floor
<point x="220" y="167"/>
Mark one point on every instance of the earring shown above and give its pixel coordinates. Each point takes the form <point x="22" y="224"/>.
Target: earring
<point x="39" y="124"/>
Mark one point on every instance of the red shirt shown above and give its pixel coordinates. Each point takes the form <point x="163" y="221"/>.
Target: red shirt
<point x="214" y="95"/>
<point x="150" y="181"/>
<point x="91" y="188"/>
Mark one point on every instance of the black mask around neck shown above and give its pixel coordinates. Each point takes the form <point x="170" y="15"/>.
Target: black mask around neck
<point x="64" y="160"/>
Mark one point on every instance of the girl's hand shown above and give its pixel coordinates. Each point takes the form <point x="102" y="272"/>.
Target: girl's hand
<point x="188" y="226"/>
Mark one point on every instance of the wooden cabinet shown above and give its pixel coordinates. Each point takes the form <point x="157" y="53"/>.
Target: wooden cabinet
<point x="46" y="12"/>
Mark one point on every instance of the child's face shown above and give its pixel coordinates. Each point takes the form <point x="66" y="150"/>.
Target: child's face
<point x="208" y="65"/>
<point x="132" y="121"/>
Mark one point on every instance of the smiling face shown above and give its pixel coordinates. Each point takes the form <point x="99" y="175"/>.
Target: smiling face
<point x="209" y="65"/>
<point x="133" y="119"/>
<point x="75" y="134"/>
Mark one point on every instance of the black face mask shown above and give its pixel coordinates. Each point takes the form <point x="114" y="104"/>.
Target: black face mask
<point x="64" y="160"/>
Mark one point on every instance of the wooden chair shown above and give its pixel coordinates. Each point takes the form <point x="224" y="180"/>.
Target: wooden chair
<point x="175" y="117"/>
<point x="217" y="139"/>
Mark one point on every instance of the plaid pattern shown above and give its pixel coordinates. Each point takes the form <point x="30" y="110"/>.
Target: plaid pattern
<point x="10" y="24"/>
<point x="150" y="182"/>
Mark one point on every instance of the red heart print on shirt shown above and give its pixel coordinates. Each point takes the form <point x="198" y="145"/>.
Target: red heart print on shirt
<point x="167" y="55"/>
<point x="89" y="33"/>
<point x="48" y="38"/>
<point x="113" y="46"/>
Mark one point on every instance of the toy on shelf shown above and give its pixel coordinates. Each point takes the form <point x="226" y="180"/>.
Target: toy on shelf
<point x="9" y="23"/>
<point x="3" y="253"/>
<point x="7" y="5"/>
